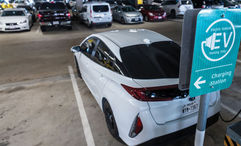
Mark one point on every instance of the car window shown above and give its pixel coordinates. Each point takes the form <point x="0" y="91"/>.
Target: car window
<point x="52" y="6"/>
<point x="13" y="13"/>
<point x="100" y="8"/>
<point x="128" y="9"/>
<point x="153" y="61"/>
<point x="88" y="46"/>
<point x="106" y="58"/>
<point x="84" y="9"/>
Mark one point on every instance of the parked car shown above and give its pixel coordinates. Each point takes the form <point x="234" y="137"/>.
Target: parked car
<point x="17" y="3"/>
<point x="231" y="4"/>
<point x="96" y="13"/>
<point x="15" y="20"/>
<point x="38" y="3"/>
<point x="199" y="3"/>
<point x="153" y="13"/>
<point x="133" y="75"/>
<point x="54" y="15"/>
<point x="127" y="14"/>
<point x="214" y="4"/>
<point x="157" y="2"/>
<point x="31" y="10"/>
<point x="176" y="7"/>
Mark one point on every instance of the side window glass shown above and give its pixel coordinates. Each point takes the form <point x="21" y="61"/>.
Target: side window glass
<point x="106" y="58"/>
<point x="88" y="46"/>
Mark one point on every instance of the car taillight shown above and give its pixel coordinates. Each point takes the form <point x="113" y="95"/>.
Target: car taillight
<point x="163" y="93"/>
<point x="136" y="127"/>
<point x="69" y="16"/>
<point x="40" y="16"/>
<point x="203" y="6"/>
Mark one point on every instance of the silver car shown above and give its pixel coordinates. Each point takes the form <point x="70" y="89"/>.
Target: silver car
<point x="127" y="14"/>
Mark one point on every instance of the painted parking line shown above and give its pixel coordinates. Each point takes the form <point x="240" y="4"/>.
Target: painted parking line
<point x="230" y="110"/>
<point x="38" y="30"/>
<point x="239" y="61"/>
<point x="84" y="119"/>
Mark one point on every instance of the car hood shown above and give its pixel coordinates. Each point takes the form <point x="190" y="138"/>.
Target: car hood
<point x="12" y="19"/>
<point x="132" y="14"/>
<point x="157" y="12"/>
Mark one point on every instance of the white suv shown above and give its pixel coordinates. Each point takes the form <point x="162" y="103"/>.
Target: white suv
<point x="133" y="75"/>
<point x="94" y="13"/>
<point x="176" y="7"/>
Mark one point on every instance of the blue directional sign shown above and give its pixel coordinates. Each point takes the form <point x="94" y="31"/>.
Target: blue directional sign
<point x="217" y="41"/>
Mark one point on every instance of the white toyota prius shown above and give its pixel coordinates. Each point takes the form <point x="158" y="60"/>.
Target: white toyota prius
<point x="15" y="20"/>
<point x="133" y="75"/>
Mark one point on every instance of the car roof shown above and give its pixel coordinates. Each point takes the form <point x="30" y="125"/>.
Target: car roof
<point x="130" y="37"/>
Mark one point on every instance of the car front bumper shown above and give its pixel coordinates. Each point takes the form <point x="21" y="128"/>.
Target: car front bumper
<point x="131" y="20"/>
<point x="19" y="27"/>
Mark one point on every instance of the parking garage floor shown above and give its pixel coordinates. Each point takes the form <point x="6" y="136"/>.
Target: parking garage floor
<point x="37" y="101"/>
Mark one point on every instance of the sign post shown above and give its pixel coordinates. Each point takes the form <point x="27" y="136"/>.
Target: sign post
<point x="215" y="50"/>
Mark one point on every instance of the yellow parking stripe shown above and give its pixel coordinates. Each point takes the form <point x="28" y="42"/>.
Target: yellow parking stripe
<point x="225" y="144"/>
<point x="230" y="141"/>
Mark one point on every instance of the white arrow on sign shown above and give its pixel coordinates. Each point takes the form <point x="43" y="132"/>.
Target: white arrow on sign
<point x="198" y="82"/>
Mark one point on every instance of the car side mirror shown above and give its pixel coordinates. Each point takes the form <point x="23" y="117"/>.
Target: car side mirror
<point x="75" y="49"/>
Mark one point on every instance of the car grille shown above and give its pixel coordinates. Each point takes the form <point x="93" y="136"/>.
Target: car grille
<point x="12" y="28"/>
<point x="11" y="24"/>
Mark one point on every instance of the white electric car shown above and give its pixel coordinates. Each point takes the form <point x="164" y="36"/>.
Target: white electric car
<point x="15" y="20"/>
<point x="133" y="75"/>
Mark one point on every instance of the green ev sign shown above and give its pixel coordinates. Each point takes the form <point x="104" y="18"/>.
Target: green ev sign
<point x="216" y="46"/>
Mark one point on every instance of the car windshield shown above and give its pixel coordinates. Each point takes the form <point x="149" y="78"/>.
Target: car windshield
<point x="19" y="1"/>
<point x="13" y="13"/>
<point x="101" y="8"/>
<point x="153" y="61"/>
<point x="213" y="2"/>
<point x="128" y="9"/>
<point x="25" y="7"/>
<point x="186" y="2"/>
<point x="153" y="7"/>
<point x="52" y="6"/>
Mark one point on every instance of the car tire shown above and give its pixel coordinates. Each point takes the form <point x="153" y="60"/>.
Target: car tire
<point x="77" y="68"/>
<point x="89" y="24"/>
<point x="146" y="18"/>
<point x="110" y="120"/>
<point x="122" y="20"/>
<point x="43" y="28"/>
<point x="109" y="25"/>
<point x="69" y="27"/>
<point x="173" y="14"/>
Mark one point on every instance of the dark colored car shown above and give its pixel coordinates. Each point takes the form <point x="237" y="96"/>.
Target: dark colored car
<point x="31" y="10"/>
<point x="153" y="13"/>
<point x="54" y="15"/>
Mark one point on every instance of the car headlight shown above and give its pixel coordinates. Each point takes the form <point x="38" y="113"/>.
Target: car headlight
<point x="22" y="22"/>
<point x="150" y="14"/>
<point x="165" y="14"/>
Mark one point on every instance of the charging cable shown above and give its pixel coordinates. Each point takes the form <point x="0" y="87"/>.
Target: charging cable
<point x="227" y="121"/>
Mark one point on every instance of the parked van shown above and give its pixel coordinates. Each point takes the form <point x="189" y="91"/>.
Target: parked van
<point x="94" y="13"/>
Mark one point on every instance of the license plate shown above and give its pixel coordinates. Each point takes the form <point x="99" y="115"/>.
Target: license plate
<point x="55" y="22"/>
<point x="160" y="17"/>
<point x="136" y="19"/>
<point x="190" y="107"/>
